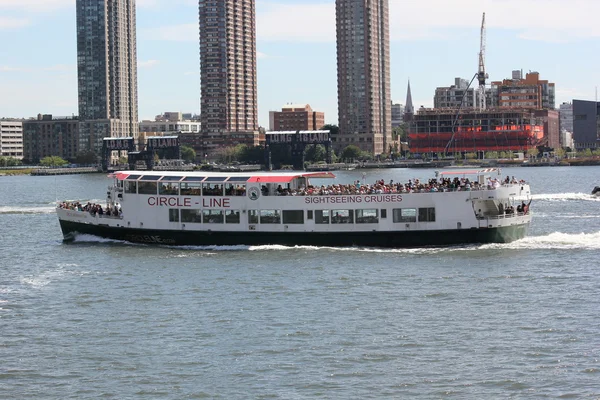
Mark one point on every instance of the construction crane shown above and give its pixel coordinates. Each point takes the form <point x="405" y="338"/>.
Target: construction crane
<point x="481" y="75"/>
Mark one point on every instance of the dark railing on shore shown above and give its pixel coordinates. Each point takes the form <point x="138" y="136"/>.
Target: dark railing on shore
<point x="64" y="171"/>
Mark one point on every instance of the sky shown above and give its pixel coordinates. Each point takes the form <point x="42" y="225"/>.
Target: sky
<point x="432" y="42"/>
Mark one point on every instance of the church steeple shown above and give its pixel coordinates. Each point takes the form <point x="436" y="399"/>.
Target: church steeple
<point x="409" y="109"/>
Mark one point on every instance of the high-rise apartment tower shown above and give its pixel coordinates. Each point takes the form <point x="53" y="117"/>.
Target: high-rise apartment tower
<point x="107" y="71"/>
<point x="228" y="111"/>
<point x="363" y="60"/>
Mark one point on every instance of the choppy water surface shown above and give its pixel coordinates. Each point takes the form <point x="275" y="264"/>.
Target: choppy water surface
<point x="100" y="318"/>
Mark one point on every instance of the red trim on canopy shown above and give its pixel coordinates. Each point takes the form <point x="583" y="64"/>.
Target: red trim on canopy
<point x="119" y="175"/>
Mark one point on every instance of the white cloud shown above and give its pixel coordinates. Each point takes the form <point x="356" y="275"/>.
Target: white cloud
<point x="148" y="63"/>
<point x="49" y="68"/>
<point x="12" y="23"/>
<point x="36" y="5"/>
<point x="550" y="20"/>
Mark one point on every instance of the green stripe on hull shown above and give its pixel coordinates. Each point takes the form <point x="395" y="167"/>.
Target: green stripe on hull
<point x="392" y="239"/>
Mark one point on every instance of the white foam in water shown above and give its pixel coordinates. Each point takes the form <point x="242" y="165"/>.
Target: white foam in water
<point x="86" y="238"/>
<point x="556" y="241"/>
<point x="26" y="210"/>
<point x="565" y="197"/>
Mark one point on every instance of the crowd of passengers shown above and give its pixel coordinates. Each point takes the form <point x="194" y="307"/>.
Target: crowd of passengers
<point x="93" y="208"/>
<point x="381" y="187"/>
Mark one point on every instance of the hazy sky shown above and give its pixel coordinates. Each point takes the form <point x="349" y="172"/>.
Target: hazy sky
<point x="432" y="43"/>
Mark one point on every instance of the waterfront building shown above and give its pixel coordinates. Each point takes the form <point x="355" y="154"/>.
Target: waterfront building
<point x="189" y="131"/>
<point x="296" y="117"/>
<point x="566" y="116"/>
<point x="363" y="72"/>
<point x="397" y="114"/>
<point x="586" y="124"/>
<point x="551" y="122"/>
<point x="11" y="139"/>
<point x="528" y="92"/>
<point x="438" y="131"/>
<point x="456" y="96"/>
<point x="50" y="136"/>
<point x="229" y="113"/>
<point x="107" y="71"/>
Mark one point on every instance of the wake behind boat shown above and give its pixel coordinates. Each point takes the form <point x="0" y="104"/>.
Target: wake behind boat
<point x="202" y="208"/>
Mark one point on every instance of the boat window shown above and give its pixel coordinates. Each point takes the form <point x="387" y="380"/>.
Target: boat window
<point x="369" y="216"/>
<point x="383" y="213"/>
<point x="191" y="189"/>
<point x="405" y="214"/>
<point x="216" y="179"/>
<point x="212" y="216"/>
<point x="309" y="214"/>
<point x="168" y="188"/>
<point x="253" y="216"/>
<point x="133" y="177"/>
<point x="235" y="189"/>
<point x="426" y="214"/>
<point x="194" y="216"/>
<point x="173" y="215"/>
<point x="147" y="187"/>
<point x="321" y="216"/>
<point x="293" y="216"/>
<point x="212" y="189"/>
<point x="130" y="187"/>
<point x="270" y="217"/>
<point x="232" y="216"/>
<point x="342" y="216"/>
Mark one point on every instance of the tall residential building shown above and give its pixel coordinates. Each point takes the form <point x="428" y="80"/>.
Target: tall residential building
<point x="11" y="139"/>
<point x="229" y="110"/>
<point x="363" y="61"/>
<point x="528" y="92"/>
<point x="107" y="71"/>
<point x="296" y="117"/>
<point x="456" y="95"/>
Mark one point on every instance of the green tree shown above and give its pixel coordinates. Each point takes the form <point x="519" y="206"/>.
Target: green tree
<point x="9" y="162"/>
<point x="351" y="153"/>
<point x="188" y="154"/>
<point x="400" y="132"/>
<point x="315" y="153"/>
<point x="334" y="129"/>
<point x="532" y="152"/>
<point x="471" y="156"/>
<point x="53" y="161"/>
<point x="491" y="155"/>
<point x="596" y="152"/>
<point x="560" y="153"/>
<point x="586" y="153"/>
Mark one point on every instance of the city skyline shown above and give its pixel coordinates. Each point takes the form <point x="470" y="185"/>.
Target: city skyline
<point x="38" y="66"/>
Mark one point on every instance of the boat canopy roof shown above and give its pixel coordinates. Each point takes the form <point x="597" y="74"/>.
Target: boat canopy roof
<point x="486" y="171"/>
<point x="202" y="176"/>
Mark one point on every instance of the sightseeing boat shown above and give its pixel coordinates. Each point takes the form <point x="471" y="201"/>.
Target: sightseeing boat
<point x="266" y="208"/>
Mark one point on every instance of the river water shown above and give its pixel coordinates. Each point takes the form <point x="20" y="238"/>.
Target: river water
<point x="104" y="319"/>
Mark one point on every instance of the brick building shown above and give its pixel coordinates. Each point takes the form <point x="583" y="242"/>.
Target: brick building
<point x="50" y="136"/>
<point x="296" y="117"/>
